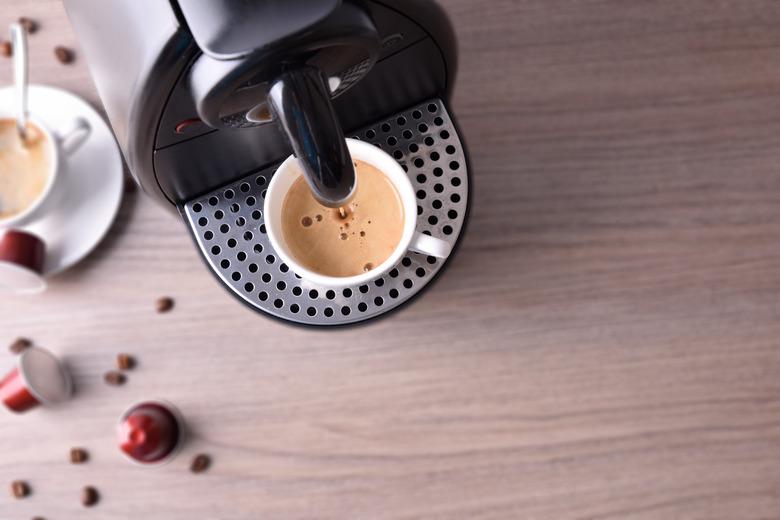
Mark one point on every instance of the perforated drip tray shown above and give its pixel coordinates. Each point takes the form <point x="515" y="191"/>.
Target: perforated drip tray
<point x="228" y="226"/>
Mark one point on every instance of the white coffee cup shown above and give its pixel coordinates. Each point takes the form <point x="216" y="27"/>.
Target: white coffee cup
<point x="62" y="143"/>
<point x="289" y="171"/>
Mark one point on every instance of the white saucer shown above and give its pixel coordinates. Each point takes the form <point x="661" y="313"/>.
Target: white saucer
<point x="92" y="187"/>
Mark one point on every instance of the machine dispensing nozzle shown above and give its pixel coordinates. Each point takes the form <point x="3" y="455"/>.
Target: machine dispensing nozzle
<point x="300" y="101"/>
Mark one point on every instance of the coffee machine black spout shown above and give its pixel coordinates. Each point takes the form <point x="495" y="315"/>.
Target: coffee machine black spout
<point x="300" y="99"/>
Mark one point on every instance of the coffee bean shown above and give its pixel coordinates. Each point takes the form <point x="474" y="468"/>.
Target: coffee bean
<point x="6" y="49"/>
<point x="20" y="489"/>
<point x="63" y="54"/>
<point x="125" y="362"/>
<point x="78" y="455"/>
<point x="28" y="25"/>
<point x="19" y="345"/>
<point x="89" y="496"/>
<point x="164" y="304"/>
<point x="200" y="463"/>
<point x="114" y="378"/>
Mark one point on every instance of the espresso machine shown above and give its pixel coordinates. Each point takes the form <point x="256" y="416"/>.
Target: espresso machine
<point x="207" y="97"/>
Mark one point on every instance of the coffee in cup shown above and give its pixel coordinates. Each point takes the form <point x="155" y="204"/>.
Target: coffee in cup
<point x="325" y="251"/>
<point x="25" y="167"/>
<point x="344" y="241"/>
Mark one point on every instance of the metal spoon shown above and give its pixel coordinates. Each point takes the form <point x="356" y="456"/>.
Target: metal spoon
<point x="19" y="46"/>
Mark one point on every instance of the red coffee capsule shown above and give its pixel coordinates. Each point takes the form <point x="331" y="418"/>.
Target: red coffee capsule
<point x="150" y="432"/>
<point x="21" y="262"/>
<point x="38" y="378"/>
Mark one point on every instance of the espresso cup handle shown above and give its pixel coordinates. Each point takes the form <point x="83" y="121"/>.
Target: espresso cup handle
<point x="431" y="246"/>
<point x="74" y="135"/>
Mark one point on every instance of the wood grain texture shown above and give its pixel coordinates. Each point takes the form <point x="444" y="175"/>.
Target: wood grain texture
<point x="604" y="346"/>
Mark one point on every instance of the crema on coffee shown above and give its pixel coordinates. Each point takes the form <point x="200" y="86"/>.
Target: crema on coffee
<point x="324" y="241"/>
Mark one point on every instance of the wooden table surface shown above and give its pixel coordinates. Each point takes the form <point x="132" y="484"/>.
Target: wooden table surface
<point x="604" y="345"/>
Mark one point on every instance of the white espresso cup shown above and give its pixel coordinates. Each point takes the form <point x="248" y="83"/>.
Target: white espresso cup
<point x="62" y="143"/>
<point x="289" y="171"/>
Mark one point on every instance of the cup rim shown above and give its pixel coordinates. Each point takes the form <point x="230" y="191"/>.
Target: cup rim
<point x="53" y="170"/>
<point x="386" y="164"/>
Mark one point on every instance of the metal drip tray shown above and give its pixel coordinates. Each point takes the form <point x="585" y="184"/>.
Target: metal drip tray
<point x="228" y="227"/>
